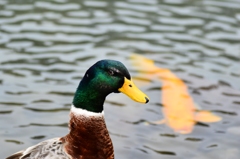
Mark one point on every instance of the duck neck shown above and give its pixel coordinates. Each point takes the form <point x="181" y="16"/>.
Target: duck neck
<point x="88" y="137"/>
<point x="88" y="96"/>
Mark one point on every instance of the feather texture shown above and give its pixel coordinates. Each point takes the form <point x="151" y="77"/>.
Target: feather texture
<point x="48" y="149"/>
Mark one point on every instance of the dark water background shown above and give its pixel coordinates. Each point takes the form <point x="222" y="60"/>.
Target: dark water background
<point x="46" y="46"/>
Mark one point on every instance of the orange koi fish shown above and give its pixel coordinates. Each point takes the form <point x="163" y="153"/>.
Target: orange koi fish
<point x="180" y="112"/>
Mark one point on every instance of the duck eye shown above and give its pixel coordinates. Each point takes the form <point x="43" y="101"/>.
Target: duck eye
<point x="111" y="72"/>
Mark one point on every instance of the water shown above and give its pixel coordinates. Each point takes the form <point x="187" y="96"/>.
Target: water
<point x="46" y="46"/>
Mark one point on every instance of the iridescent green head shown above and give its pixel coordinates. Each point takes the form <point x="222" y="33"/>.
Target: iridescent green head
<point x="101" y="79"/>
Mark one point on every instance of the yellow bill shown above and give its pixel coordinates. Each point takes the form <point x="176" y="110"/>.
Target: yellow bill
<point x="132" y="91"/>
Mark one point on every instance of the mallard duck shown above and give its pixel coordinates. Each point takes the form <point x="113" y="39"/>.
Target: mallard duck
<point x="88" y="137"/>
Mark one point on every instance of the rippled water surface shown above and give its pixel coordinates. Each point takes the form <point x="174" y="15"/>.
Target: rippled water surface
<point x="46" y="46"/>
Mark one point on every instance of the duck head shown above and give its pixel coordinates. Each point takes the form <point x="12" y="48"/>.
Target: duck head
<point x="103" y="78"/>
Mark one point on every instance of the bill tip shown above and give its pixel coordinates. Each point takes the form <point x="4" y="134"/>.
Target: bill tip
<point x="147" y="99"/>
